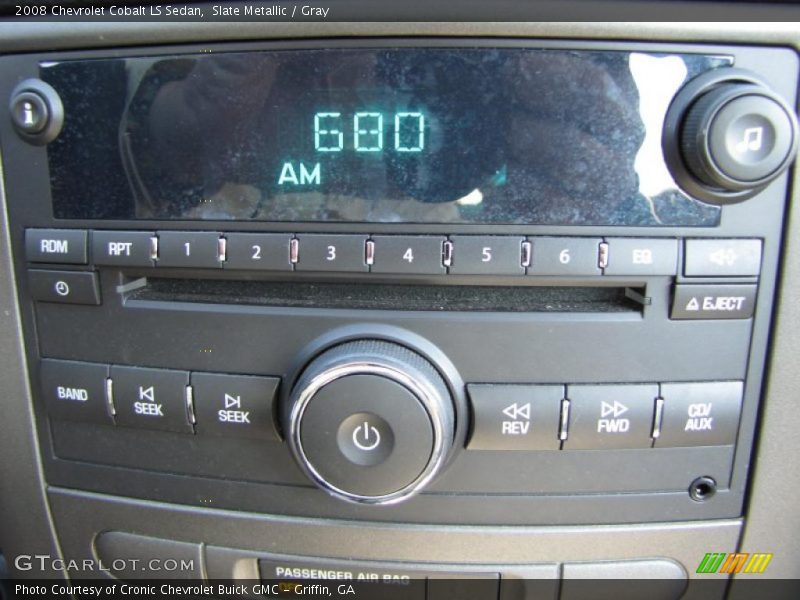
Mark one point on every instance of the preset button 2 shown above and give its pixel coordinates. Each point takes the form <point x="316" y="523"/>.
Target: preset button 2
<point x="151" y="398"/>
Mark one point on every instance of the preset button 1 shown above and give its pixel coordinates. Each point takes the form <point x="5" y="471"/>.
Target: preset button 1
<point x="195" y="249"/>
<point x="151" y="398"/>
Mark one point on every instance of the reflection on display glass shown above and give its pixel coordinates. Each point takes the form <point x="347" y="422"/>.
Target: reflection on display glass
<point x="512" y="136"/>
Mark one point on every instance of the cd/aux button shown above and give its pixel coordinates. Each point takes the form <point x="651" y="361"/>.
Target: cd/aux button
<point x="700" y="414"/>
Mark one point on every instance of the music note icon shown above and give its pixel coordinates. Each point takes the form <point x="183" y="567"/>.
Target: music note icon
<point x="751" y="140"/>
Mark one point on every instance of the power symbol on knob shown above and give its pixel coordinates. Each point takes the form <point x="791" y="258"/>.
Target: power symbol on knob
<point x="366" y="437"/>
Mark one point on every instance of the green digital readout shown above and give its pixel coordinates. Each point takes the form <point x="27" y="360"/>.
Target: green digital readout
<point x="407" y="131"/>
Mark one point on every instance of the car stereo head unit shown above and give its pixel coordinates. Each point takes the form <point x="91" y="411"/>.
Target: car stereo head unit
<point x="443" y="281"/>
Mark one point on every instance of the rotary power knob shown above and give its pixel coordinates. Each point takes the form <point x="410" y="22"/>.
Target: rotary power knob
<point x="370" y="421"/>
<point x="733" y="136"/>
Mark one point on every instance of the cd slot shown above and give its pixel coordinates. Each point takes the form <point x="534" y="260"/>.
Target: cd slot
<point x="386" y="296"/>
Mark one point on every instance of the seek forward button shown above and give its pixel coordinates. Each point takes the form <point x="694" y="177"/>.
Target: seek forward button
<point x="515" y="417"/>
<point x="234" y="405"/>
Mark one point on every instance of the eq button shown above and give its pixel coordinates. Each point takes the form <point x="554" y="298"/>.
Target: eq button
<point x="610" y="416"/>
<point x="641" y="256"/>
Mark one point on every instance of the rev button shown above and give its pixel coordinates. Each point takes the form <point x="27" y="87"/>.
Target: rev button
<point x="234" y="405"/>
<point x="515" y="417"/>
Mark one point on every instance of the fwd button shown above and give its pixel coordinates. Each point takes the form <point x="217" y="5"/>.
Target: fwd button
<point x="610" y="416"/>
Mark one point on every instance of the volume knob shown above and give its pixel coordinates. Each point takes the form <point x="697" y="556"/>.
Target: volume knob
<point x="370" y="421"/>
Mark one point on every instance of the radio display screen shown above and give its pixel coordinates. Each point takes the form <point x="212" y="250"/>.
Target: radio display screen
<point x="401" y="135"/>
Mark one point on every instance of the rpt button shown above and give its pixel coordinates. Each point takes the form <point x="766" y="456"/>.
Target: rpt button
<point x="122" y="248"/>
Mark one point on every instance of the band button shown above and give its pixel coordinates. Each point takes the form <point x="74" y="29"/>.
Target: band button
<point x="487" y="255"/>
<point x="413" y="255"/>
<point x="122" y="248"/>
<point x="75" y="391"/>
<point x="565" y="256"/>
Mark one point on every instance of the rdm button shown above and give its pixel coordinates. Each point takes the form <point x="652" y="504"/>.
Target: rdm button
<point x="713" y="301"/>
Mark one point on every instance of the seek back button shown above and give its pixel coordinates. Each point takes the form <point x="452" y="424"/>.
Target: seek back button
<point x="713" y="302"/>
